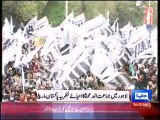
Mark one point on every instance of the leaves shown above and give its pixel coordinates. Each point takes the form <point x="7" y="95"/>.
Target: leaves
<point x="55" y="10"/>
<point x="25" y="9"/>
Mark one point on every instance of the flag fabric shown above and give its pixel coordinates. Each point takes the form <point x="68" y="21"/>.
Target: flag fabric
<point x="148" y="19"/>
<point x="11" y="25"/>
<point x="107" y="16"/>
<point x="93" y="24"/>
<point x="42" y="23"/>
<point x="145" y="61"/>
<point x="69" y="19"/>
<point x="124" y="57"/>
<point x="65" y="49"/>
<point x="103" y="68"/>
<point x="69" y="50"/>
<point x="106" y="30"/>
<point x="79" y="20"/>
<point x="6" y="28"/>
<point x="30" y="24"/>
<point x="114" y="26"/>
<point x="118" y="79"/>
<point x="79" y="70"/>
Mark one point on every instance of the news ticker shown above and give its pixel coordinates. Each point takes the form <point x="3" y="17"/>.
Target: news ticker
<point x="140" y="96"/>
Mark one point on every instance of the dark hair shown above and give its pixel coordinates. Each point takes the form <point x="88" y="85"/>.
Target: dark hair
<point x="35" y="93"/>
<point x="141" y="72"/>
<point x="120" y="88"/>
<point x="102" y="84"/>
<point x="29" y="98"/>
<point x="20" y="91"/>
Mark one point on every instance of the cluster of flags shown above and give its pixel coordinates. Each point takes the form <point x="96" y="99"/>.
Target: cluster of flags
<point x="77" y="46"/>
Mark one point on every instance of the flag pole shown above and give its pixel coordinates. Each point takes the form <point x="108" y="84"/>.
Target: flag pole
<point x="150" y="28"/>
<point x="66" y="6"/>
<point x="23" y="79"/>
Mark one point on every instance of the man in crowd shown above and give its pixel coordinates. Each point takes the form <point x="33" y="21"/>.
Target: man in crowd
<point x="152" y="85"/>
<point x="141" y="82"/>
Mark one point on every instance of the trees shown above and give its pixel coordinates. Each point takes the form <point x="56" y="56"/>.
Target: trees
<point x="23" y="10"/>
<point x="55" y="10"/>
<point x="124" y="10"/>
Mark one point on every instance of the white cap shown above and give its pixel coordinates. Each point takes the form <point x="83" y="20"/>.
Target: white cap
<point x="140" y="66"/>
<point x="131" y="87"/>
<point x="34" y="90"/>
<point x="134" y="77"/>
<point x="156" y="73"/>
<point x="146" y="70"/>
<point x="37" y="74"/>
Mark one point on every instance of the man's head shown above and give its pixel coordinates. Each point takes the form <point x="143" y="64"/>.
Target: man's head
<point x="42" y="87"/>
<point x="141" y="67"/>
<point x="22" y="97"/>
<point x="154" y="78"/>
<point x="7" y="86"/>
<point x="89" y="73"/>
<point x="135" y="67"/>
<point x="12" y="93"/>
<point x="140" y="77"/>
<point x="151" y="67"/>
<point x="48" y="86"/>
<point x="29" y="99"/>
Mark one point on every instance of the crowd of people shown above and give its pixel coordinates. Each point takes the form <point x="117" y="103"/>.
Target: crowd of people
<point x="146" y="78"/>
<point x="143" y="77"/>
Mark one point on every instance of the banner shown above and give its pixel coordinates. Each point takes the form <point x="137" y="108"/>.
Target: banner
<point x="83" y="95"/>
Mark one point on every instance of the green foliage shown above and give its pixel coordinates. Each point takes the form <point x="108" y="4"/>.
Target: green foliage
<point x="55" y="10"/>
<point x="26" y="10"/>
<point x="75" y="6"/>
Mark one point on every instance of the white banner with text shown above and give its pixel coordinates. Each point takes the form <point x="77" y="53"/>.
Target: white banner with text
<point x="83" y="95"/>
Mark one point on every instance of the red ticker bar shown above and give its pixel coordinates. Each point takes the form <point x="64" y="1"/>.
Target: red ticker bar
<point x="19" y="109"/>
<point x="139" y="104"/>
